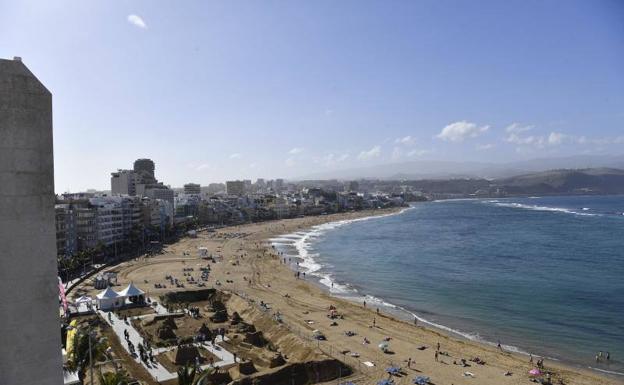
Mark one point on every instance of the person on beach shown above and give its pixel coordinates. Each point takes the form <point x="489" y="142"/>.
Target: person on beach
<point x="530" y="358"/>
<point x="409" y="362"/>
<point x="499" y="346"/>
<point x="364" y="303"/>
<point x="438" y="347"/>
<point x="436" y="356"/>
<point x="374" y="322"/>
<point x="608" y="356"/>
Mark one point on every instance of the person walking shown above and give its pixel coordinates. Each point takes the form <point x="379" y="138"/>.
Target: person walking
<point x="436" y="356"/>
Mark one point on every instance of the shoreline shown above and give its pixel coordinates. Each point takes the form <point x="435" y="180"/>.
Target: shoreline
<point x="303" y="301"/>
<point x="399" y="312"/>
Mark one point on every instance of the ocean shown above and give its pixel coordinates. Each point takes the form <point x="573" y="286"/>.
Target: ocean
<point x="542" y="275"/>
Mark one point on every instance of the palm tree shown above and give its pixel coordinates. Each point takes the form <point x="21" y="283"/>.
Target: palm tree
<point x="187" y="375"/>
<point x="116" y="378"/>
<point x="79" y="359"/>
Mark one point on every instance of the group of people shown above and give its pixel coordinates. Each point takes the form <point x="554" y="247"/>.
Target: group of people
<point x="145" y="350"/>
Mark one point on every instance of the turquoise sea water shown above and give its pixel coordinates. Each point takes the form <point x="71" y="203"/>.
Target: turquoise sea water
<point x="540" y="275"/>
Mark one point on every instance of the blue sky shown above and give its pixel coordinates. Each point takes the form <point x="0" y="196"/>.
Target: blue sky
<point x="229" y="89"/>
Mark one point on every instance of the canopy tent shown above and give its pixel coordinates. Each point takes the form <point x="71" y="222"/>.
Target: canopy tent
<point x="133" y="293"/>
<point x="108" y="299"/>
<point x="83" y="304"/>
<point x="83" y="299"/>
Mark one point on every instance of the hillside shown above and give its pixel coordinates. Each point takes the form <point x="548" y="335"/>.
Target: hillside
<point x="582" y="181"/>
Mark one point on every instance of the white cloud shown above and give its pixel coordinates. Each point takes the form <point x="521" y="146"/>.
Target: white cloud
<point x="406" y="140"/>
<point x="137" y="21"/>
<point x="418" y="153"/>
<point x="483" y="147"/>
<point x="333" y="159"/>
<point x="539" y="141"/>
<point x="203" y="166"/>
<point x="459" y="131"/>
<point x="372" y="153"/>
<point x="553" y="138"/>
<point x="398" y="153"/>
<point x="235" y="155"/>
<point x="517" y="128"/>
<point x="556" y="138"/>
<point x="295" y="151"/>
<point x="531" y="140"/>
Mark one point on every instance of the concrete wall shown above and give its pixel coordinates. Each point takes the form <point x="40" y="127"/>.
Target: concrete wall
<point x="30" y="342"/>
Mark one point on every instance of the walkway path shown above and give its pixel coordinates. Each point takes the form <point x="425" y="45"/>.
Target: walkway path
<point x="156" y="370"/>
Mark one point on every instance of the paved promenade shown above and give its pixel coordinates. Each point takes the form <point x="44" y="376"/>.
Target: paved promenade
<point x="157" y="371"/>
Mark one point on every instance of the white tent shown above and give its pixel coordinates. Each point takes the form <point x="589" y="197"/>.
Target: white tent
<point x="83" y="304"/>
<point x="133" y="293"/>
<point x="108" y="298"/>
<point x="83" y="299"/>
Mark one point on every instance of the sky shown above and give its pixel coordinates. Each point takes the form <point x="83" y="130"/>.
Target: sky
<point x="219" y="90"/>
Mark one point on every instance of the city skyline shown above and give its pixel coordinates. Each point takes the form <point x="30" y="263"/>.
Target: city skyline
<point x="250" y="90"/>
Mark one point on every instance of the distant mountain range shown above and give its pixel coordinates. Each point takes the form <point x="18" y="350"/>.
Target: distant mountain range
<point x="592" y="181"/>
<point x="428" y="169"/>
<point x="587" y="181"/>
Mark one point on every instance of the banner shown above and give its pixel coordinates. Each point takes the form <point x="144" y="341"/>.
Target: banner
<point x="62" y="294"/>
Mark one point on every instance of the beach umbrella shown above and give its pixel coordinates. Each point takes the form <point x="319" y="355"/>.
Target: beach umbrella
<point x="393" y="370"/>
<point x="421" y="380"/>
<point x="535" y="372"/>
<point x="386" y="382"/>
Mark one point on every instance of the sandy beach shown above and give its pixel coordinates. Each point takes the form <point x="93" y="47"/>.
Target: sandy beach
<point x="250" y="268"/>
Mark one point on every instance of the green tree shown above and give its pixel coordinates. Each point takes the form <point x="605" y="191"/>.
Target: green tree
<point x="79" y="360"/>
<point x="113" y="378"/>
